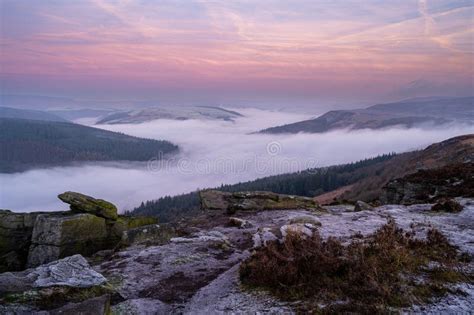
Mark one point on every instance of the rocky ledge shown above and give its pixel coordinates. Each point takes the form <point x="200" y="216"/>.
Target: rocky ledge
<point x="253" y="201"/>
<point x="32" y="239"/>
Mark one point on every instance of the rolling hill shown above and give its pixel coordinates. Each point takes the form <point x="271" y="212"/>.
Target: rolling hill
<point x="9" y="112"/>
<point x="417" y="112"/>
<point x="175" y="113"/>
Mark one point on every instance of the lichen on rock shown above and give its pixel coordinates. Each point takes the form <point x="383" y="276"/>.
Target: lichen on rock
<point x="82" y="203"/>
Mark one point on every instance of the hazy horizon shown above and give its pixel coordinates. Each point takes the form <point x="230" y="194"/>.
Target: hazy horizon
<point x="270" y="54"/>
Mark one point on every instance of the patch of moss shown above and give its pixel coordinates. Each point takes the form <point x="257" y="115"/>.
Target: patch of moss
<point x="134" y="222"/>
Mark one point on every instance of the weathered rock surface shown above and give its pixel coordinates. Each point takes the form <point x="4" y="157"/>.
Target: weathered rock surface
<point x="224" y="295"/>
<point x="141" y="306"/>
<point x="95" y="306"/>
<point x="66" y="286"/>
<point x="361" y="206"/>
<point x="83" y="203"/>
<point x="262" y="236"/>
<point x="303" y="230"/>
<point x="253" y="201"/>
<point x="15" y="238"/>
<point x="237" y="222"/>
<point x="61" y="236"/>
<point x="73" y="271"/>
<point x="198" y="273"/>
<point x="155" y="234"/>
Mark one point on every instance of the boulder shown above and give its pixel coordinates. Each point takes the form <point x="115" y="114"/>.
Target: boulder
<point x="447" y="205"/>
<point x="303" y="219"/>
<point x="362" y="206"/>
<point x="253" y="201"/>
<point x="262" y="237"/>
<point x="56" y="237"/>
<point x="240" y="223"/>
<point x="214" y="199"/>
<point x="304" y="230"/>
<point x="73" y="271"/>
<point x="83" y="203"/>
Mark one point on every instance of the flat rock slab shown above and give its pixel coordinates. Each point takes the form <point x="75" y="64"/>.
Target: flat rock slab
<point x="254" y="200"/>
<point x="73" y="271"/>
<point x="225" y="296"/>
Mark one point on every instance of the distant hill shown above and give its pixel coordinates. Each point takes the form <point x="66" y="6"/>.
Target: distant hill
<point x="175" y="113"/>
<point x="8" y="112"/>
<point x="26" y="144"/>
<point x="361" y="180"/>
<point x="409" y="113"/>
<point x="73" y="114"/>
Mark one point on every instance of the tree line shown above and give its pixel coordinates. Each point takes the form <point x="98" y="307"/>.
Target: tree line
<point x="310" y="183"/>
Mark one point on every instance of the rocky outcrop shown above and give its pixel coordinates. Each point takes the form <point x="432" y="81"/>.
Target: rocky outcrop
<point x="61" y="236"/>
<point x="253" y="201"/>
<point x="428" y="186"/>
<point x="32" y="239"/>
<point x="362" y="206"/>
<point x="83" y="203"/>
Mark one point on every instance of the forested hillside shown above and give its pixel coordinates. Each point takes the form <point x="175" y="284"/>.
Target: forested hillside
<point x="27" y="144"/>
<point x="305" y="183"/>
<point x="418" y="112"/>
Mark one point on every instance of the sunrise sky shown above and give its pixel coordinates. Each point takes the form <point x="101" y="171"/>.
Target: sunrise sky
<point x="238" y="51"/>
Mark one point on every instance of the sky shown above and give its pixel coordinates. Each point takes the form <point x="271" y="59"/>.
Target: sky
<point x="237" y="52"/>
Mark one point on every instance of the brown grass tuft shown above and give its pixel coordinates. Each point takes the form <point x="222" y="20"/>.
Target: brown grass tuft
<point x="386" y="269"/>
